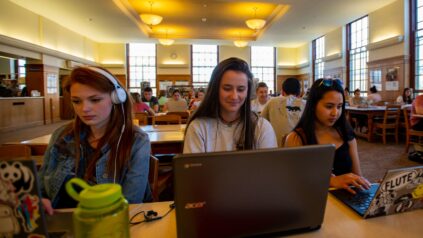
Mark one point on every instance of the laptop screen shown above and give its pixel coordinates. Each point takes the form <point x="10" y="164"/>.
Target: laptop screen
<point x="248" y="193"/>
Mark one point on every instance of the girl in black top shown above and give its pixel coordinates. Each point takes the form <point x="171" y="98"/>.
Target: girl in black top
<point x="323" y="122"/>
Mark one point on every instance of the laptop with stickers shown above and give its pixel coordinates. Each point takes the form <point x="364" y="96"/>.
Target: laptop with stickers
<point x="401" y="190"/>
<point x="21" y="212"/>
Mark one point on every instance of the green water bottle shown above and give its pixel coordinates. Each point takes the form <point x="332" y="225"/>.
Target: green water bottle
<point x="102" y="210"/>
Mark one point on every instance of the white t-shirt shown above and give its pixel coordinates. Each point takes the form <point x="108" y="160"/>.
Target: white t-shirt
<point x="210" y="135"/>
<point x="256" y="106"/>
<point x="374" y="97"/>
<point x="284" y="114"/>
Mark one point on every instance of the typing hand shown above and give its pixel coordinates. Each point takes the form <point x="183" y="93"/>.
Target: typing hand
<point x="47" y="206"/>
<point x="345" y="181"/>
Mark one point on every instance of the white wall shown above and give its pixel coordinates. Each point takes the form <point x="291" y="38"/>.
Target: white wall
<point x="226" y="52"/>
<point x="24" y="25"/>
<point x="174" y="59"/>
<point x="385" y="23"/>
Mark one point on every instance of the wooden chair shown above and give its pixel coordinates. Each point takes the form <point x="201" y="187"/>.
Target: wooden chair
<point x="390" y="122"/>
<point x="142" y="118"/>
<point x="167" y="119"/>
<point x="184" y="115"/>
<point x="158" y="179"/>
<point x="410" y="132"/>
<point x="15" y="151"/>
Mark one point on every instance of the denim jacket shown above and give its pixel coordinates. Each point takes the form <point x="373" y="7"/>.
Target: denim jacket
<point x="59" y="166"/>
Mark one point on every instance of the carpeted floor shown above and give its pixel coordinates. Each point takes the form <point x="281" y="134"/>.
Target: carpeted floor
<point x="376" y="158"/>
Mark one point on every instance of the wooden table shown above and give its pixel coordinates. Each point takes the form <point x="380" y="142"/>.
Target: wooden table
<point x="161" y="128"/>
<point x="370" y="112"/>
<point x="162" y="139"/>
<point x="339" y="221"/>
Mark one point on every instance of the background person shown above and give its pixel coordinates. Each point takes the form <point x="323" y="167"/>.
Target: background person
<point x="324" y="122"/>
<point x="147" y="97"/>
<point x="258" y="104"/>
<point x="285" y="112"/>
<point x="199" y="97"/>
<point x="224" y="121"/>
<point x="374" y="96"/>
<point x="140" y="106"/>
<point x="176" y="103"/>
<point x="100" y="145"/>
<point x="406" y="97"/>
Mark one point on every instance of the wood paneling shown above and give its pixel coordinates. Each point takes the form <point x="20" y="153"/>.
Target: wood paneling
<point x="19" y="113"/>
<point x="384" y="65"/>
<point x="303" y="78"/>
<point x="36" y="79"/>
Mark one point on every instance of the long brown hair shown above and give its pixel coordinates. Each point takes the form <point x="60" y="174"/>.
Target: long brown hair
<point x="210" y="106"/>
<point x="118" y="118"/>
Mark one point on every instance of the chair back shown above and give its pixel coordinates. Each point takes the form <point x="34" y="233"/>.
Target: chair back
<point x="142" y="118"/>
<point x="153" y="177"/>
<point x="15" y="151"/>
<point x="406" y="119"/>
<point x="392" y="114"/>
<point x="167" y="119"/>
<point x="184" y="115"/>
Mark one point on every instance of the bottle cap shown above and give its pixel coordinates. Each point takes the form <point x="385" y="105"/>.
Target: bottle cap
<point x="96" y="196"/>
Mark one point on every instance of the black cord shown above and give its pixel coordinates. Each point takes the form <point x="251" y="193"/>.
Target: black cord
<point x="147" y="215"/>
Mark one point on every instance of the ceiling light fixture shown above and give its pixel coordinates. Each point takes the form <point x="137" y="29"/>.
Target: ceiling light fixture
<point x="166" y="41"/>
<point x="151" y="19"/>
<point x="240" y="43"/>
<point x="255" y="23"/>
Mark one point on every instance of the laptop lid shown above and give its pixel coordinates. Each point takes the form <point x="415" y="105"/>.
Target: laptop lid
<point x="245" y="193"/>
<point x="21" y="212"/>
<point x="401" y="190"/>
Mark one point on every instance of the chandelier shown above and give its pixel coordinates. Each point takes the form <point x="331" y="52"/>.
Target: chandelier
<point x="255" y="23"/>
<point x="166" y="40"/>
<point x="151" y="19"/>
<point x="240" y="43"/>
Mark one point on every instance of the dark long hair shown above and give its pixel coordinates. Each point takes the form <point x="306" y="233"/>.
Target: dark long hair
<point x="308" y="118"/>
<point x="210" y="106"/>
<point x="405" y="98"/>
<point x="91" y="78"/>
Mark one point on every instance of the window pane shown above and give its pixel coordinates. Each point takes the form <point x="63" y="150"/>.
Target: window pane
<point x="263" y="65"/>
<point x="142" y="66"/>
<point x="359" y="54"/>
<point x="204" y="60"/>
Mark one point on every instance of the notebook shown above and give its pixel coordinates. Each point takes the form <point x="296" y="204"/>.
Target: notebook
<point x="247" y="193"/>
<point x="21" y="212"/>
<point x="401" y="190"/>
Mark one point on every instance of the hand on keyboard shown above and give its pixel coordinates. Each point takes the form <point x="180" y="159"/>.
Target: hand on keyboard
<point x="346" y="181"/>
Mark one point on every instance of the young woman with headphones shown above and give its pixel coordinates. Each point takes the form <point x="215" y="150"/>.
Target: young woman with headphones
<point x="100" y="145"/>
<point x="224" y="121"/>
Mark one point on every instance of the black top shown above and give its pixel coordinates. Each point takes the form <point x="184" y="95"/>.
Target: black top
<point x="153" y="101"/>
<point x="342" y="163"/>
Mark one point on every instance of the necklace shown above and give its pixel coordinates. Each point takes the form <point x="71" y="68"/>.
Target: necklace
<point x="228" y="123"/>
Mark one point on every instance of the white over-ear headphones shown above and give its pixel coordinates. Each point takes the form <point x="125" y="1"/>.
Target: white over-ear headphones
<point x="118" y="95"/>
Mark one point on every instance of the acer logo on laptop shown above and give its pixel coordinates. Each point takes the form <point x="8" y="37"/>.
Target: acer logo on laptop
<point x="194" y="205"/>
<point x="192" y="165"/>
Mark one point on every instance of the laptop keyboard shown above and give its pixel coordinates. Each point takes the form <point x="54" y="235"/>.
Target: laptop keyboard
<point x="360" y="201"/>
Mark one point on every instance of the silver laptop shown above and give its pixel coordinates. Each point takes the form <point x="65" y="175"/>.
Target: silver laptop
<point x="248" y="193"/>
<point x="400" y="190"/>
<point x="21" y="211"/>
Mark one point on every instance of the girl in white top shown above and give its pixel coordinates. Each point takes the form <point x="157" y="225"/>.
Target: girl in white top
<point x="224" y="121"/>
<point x="405" y="98"/>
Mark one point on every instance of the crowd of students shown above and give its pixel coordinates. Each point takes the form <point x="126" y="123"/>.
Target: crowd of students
<point x="101" y="145"/>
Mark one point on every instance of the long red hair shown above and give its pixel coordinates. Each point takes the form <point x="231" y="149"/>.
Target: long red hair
<point x="91" y="78"/>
